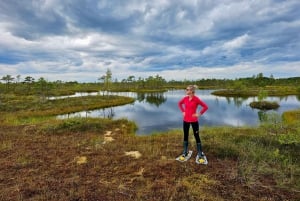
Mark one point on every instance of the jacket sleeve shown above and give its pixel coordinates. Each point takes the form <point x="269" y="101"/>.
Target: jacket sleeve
<point x="180" y="105"/>
<point x="203" y="105"/>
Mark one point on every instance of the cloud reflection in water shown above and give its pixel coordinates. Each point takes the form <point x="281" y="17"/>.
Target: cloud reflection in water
<point x="163" y="114"/>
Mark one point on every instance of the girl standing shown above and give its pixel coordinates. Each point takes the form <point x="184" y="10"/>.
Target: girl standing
<point x="188" y="106"/>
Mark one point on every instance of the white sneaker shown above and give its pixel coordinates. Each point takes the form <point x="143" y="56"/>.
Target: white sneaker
<point x="201" y="159"/>
<point x="183" y="158"/>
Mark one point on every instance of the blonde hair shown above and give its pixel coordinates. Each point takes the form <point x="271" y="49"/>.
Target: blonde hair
<point x="192" y="88"/>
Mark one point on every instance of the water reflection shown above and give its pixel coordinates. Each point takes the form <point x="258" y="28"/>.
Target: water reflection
<point x="262" y="115"/>
<point x="238" y="101"/>
<point x="155" y="98"/>
<point x="159" y="111"/>
<point x="107" y="113"/>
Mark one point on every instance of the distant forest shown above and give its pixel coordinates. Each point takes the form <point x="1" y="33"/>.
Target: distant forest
<point x="29" y="85"/>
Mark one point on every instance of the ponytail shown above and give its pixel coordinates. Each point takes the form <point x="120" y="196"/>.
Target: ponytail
<point x="193" y="88"/>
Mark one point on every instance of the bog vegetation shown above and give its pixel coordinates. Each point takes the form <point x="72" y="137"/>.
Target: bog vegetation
<point x="44" y="158"/>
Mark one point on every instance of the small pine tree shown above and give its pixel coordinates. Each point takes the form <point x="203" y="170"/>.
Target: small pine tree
<point x="262" y="95"/>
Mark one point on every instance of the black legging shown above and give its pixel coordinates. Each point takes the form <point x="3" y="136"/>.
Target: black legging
<point x="186" y="128"/>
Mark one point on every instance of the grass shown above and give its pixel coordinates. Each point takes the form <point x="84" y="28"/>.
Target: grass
<point x="31" y="109"/>
<point x="255" y="91"/>
<point x="71" y="160"/>
<point x="44" y="158"/>
<point x="291" y="117"/>
<point x="264" y="105"/>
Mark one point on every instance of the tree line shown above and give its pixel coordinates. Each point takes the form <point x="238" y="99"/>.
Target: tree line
<point x="29" y="85"/>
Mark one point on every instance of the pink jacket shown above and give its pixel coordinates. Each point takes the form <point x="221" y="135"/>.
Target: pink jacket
<point x="190" y="108"/>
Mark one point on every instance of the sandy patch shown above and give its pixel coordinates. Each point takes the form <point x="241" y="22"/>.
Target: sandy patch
<point x="108" y="139"/>
<point x="108" y="133"/>
<point x="134" y="154"/>
<point x="81" y="160"/>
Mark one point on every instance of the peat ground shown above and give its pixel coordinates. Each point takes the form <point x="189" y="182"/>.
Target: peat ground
<point x="114" y="165"/>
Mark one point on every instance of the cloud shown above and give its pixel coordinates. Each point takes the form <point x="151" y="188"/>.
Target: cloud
<point x="135" y="37"/>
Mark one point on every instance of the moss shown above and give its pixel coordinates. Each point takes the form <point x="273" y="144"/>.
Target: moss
<point x="71" y="160"/>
